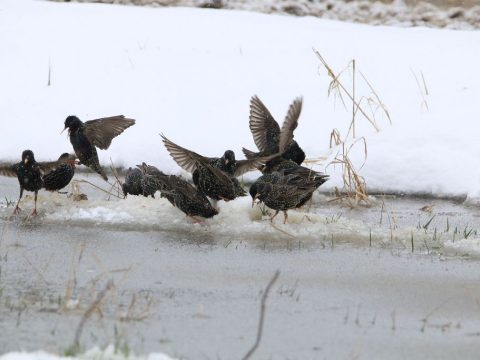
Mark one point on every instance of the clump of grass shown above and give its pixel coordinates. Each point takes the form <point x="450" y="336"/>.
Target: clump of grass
<point x="422" y="88"/>
<point x="354" y="189"/>
<point x="9" y="202"/>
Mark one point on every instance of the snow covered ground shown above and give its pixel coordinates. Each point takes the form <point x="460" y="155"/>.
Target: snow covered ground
<point x="452" y="14"/>
<point x="190" y="73"/>
<point x="108" y="353"/>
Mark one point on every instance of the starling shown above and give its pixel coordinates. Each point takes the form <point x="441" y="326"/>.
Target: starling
<point x="85" y="136"/>
<point x="268" y="136"/>
<point x="217" y="175"/>
<point x="29" y="177"/>
<point x="60" y="174"/>
<point x="289" y="167"/>
<point x="135" y="184"/>
<point x="33" y="176"/>
<point x="282" y="192"/>
<point x="213" y="182"/>
<point x="179" y="192"/>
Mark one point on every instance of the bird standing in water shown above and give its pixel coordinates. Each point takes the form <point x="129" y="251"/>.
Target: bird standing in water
<point x="33" y="175"/>
<point x="86" y="136"/>
<point x="29" y="177"/>
<point x="283" y="192"/>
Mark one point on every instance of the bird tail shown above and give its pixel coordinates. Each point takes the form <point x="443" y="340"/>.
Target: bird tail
<point x="98" y="169"/>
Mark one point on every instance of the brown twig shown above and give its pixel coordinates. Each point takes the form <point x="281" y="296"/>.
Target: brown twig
<point x="99" y="188"/>
<point x="262" y="315"/>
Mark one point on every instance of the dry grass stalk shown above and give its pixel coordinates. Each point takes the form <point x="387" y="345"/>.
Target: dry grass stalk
<point x="262" y="316"/>
<point x="72" y="277"/>
<point x="97" y="187"/>
<point x="133" y="314"/>
<point x="281" y="230"/>
<point x="422" y="88"/>
<point x="117" y="184"/>
<point x="95" y="306"/>
<point x="335" y="84"/>
<point x="354" y="188"/>
<point x="335" y="138"/>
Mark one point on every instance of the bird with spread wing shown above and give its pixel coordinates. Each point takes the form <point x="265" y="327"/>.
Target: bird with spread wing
<point x="87" y="136"/>
<point x="215" y="177"/>
<point x="269" y="137"/>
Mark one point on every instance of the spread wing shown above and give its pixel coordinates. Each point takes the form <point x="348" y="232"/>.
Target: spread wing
<point x="100" y="132"/>
<point x="9" y="170"/>
<point x="263" y="126"/>
<point x="186" y="159"/>
<point x="244" y="166"/>
<point x="290" y="124"/>
<point x="49" y="166"/>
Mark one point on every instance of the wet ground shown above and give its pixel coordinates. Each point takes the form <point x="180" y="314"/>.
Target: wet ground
<point x="350" y="286"/>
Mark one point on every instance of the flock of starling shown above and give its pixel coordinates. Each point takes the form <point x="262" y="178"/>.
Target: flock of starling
<point x="285" y="184"/>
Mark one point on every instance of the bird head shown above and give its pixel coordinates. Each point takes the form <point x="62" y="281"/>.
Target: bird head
<point x="255" y="193"/>
<point x="228" y="157"/>
<point x="27" y="157"/>
<point x="72" y="123"/>
<point x="210" y="211"/>
<point x="67" y="158"/>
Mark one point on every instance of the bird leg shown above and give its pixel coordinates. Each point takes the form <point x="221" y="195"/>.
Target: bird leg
<point x="34" y="212"/>
<point x="276" y="213"/>
<point x="286" y="217"/>
<point x="17" y="208"/>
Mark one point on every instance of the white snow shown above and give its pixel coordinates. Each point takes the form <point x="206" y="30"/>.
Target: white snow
<point x="189" y="73"/>
<point x="93" y="354"/>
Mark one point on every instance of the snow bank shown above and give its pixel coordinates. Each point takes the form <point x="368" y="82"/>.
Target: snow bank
<point x="190" y="73"/>
<point x="319" y="225"/>
<point x="94" y="354"/>
<point x="363" y="11"/>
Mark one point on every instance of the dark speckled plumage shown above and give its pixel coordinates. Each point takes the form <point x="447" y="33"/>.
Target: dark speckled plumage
<point x="282" y="192"/>
<point x="179" y="192"/>
<point x="268" y="136"/>
<point x="289" y="167"/>
<point x="213" y="182"/>
<point x="61" y="175"/>
<point x="33" y="175"/>
<point x="217" y="176"/>
<point x="86" y="136"/>
<point x="135" y="184"/>
<point x="29" y="177"/>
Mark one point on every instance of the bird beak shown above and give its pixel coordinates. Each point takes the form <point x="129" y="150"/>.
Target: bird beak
<point x="61" y="132"/>
<point x="255" y="200"/>
<point x="26" y="161"/>
<point x="226" y="161"/>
